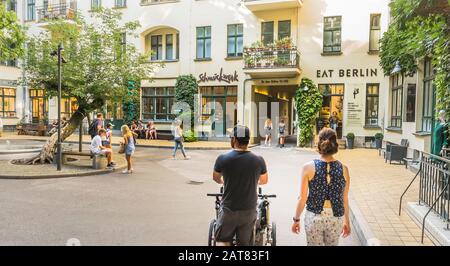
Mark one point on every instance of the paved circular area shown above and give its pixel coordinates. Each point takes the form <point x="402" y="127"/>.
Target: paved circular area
<point x="81" y="166"/>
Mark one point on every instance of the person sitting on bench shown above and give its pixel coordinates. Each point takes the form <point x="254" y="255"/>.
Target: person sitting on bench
<point x="98" y="149"/>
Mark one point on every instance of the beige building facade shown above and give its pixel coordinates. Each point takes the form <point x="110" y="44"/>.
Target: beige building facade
<point x="246" y="55"/>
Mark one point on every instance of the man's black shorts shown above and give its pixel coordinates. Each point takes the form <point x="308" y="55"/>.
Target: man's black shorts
<point x="239" y="223"/>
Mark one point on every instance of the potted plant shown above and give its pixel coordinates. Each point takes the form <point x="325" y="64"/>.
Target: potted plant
<point x="350" y="140"/>
<point x="249" y="61"/>
<point x="378" y="140"/>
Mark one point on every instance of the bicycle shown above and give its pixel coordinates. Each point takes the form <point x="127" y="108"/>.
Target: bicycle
<point x="265" y="230"/>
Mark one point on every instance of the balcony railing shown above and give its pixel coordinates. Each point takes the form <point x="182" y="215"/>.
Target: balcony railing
<point x="270" y="58"/>
<point x="151" y="2"/>
<point x="60" y="11"/>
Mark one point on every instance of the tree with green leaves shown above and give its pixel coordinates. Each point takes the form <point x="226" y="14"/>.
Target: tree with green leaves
<point x="308" y="101"/>
<point x="12" y="36"/>
<point x="99" y="66"/>
<point x="420" y="28"/>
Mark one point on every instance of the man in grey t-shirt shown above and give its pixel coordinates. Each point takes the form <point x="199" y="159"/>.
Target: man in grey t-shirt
<point x="240" y="171"/>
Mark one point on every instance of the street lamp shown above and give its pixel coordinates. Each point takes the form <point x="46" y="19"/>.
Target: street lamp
<point x="60" y="62"/>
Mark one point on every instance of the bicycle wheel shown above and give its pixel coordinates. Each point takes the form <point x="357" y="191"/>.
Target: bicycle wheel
<point x="273" y="234"/>
<point x="211" y="233"/>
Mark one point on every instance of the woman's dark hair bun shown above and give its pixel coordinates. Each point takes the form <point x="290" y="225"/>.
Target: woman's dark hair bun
<point x="327" y="142"/>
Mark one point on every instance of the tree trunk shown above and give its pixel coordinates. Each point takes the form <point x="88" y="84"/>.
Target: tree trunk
<point x="48" y="150"/>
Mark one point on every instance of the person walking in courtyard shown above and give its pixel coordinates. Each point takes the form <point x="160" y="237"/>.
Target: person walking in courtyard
<point x="96" y="125"/>
<point x="324" y="190"/>
<point x="281" y="133"/>
<point x="128" y="142"/>
<point x="240" y="171"/>
<point x="268" y="132"/>
<point x="177" y="132"/>
<point x="334" y="121"/>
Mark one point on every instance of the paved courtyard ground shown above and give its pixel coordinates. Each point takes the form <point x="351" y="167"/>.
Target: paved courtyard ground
<point x="158" y="205"/>
<point x="165" y="203"/>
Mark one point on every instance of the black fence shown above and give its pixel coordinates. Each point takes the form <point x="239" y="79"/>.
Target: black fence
<point x="434" y="189"/>
<point x="263" y="58"/>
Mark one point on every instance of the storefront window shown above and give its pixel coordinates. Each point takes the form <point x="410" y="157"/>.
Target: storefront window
<point x="372" y="103"/>
<point x="157" y="103"/>
<point x="7" y="102"/>
<point x="235" y="41"/>
<point x="428" y="96"/>
<point x="332" y="34"/>
<point x="218" y="108"/>
<point x="331" y="114"/>
<point x="68" y="107"/>
<point x="396" y="100"/>
<point x="411" y="103"/>
<point x="39" y="106"/>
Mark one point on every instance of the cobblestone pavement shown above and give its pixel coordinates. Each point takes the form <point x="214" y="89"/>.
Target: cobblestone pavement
<point x="377" y="186"/>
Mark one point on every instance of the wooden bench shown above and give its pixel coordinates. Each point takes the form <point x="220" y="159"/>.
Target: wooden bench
<point x="98" y="160"/>
<point x="165" y="134"/>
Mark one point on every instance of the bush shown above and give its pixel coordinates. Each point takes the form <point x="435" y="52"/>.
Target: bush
<point x="379" y="136"/>
<point x="308" y="101"/>
<point x="189" y="136"/>
<point x="350" y="136"/>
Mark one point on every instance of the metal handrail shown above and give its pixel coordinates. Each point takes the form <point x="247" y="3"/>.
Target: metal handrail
<point x="434" y="176"/>
<point x="407" y="188"/>
<point x="431" y="208"/>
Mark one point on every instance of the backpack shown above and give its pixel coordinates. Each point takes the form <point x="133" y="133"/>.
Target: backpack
<point x="93" y="128"/>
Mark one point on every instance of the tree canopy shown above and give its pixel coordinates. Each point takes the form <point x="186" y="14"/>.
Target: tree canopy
<point x="100" y="63"/>
<point x="100" y="66"/>
<point x="420" y="28"/>
<point x="12" y="36"/>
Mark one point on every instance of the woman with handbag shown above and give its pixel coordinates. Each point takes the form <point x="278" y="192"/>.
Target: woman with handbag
<point x="178" y="138"/>
<point x="127" y="146"/>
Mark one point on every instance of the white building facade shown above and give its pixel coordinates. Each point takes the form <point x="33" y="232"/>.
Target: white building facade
<point x="332" y="42"/>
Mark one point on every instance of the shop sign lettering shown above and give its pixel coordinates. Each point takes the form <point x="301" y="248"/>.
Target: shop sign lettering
<point x="348" y="73"/>
<point x="220" y="77"/>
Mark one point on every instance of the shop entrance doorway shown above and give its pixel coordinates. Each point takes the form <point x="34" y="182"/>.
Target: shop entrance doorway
<point x="331" y="113"/>
<point x="276" y="103"/>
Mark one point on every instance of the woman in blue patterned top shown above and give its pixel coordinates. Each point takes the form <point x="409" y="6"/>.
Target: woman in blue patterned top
<point x="324" y="190"/>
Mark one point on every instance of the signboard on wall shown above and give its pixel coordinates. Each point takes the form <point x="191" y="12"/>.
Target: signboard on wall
<point x="355" y="105"/>
<point x="8" y="83"/>
<point x="219" y="77"/>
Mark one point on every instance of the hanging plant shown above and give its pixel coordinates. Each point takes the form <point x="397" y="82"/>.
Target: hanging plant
<point x="308" y="101"/>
